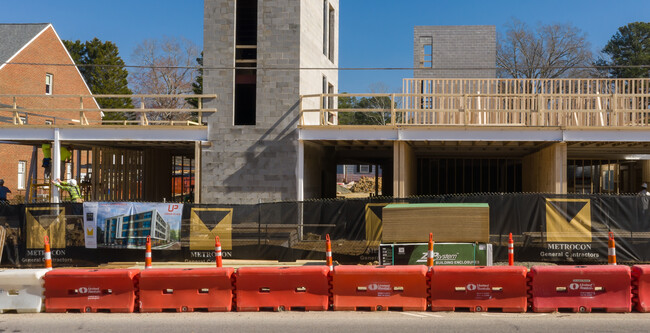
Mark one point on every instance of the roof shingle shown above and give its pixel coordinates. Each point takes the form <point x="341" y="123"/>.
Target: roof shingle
<point x="14" y="36"/>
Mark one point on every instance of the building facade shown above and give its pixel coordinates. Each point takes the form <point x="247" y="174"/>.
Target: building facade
<point x="31" y="56"/>
<point x="460" y="51"/>
<point x="133" y="230"/>
<point x="260" y="57"/>
<point x="455" y="128"/>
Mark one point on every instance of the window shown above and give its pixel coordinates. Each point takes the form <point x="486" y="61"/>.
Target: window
<point x="364" y="168"/>
<point x="48" y="84"/>
<point x="326" y="5"/>
<point x="426" y="57"/>
<point x="22" y="165"/>
<point x="246" y="63"/>
<point x="329" y="35"/>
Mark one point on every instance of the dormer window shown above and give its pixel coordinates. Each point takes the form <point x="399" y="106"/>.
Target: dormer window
<point x="48" y="84"/>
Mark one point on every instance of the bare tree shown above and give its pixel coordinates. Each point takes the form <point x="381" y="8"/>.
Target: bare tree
<point x="549" y="51"/>
<point x="168" y="67"/>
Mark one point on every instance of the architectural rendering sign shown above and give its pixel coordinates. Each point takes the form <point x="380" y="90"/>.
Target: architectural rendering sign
<point x="128" y="224"/>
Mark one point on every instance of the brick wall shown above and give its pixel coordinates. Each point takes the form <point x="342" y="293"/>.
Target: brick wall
<point x="30" y="79"/>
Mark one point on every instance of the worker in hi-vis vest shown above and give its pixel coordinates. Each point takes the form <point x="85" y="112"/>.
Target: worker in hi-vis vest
<point x="71" y="187"/>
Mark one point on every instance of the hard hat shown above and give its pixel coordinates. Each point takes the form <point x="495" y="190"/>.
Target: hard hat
<point x="72" y="182"/>
<point x="644" y="185"/>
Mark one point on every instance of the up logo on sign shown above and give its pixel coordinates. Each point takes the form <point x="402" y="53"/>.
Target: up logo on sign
<point x="471" y="287"/>
<point x="568" y="220"/>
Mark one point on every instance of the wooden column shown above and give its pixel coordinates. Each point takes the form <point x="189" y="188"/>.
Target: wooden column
<point x="197" y="171"/>
<point x="545" y="171"/>
<point x="404" y="170"/>
<point x="645" y="173"/>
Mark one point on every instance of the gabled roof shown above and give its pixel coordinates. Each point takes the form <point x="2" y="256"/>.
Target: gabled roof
<point x="13" y="37"/>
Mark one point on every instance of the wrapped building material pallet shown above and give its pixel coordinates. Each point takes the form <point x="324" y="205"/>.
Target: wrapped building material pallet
<point x="449" y="222"/>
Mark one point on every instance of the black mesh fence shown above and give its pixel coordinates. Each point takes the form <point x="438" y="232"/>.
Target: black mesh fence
<point x="289" y="231"/>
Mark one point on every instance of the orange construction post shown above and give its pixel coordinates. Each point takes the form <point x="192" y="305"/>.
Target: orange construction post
<point x="47" y="254"/>
<point x="430" y="253"/>
<point x="217" y="251"/>
<point x="147" y="254"/>
<point x="611" y="250"/>
<point x="328" y="252"/>
<point x="511" y="251"/>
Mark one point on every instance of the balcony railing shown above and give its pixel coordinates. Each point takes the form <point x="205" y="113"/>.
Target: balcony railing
<point x="25" y="110"/>
<point x="583" y="103"/>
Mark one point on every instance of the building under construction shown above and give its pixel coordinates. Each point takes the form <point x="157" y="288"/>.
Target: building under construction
<point x="269" y="128"/>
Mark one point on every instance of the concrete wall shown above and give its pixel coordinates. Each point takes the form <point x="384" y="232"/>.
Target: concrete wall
<point x="456" y="47"/>
<point x="250" y="163"/>
<point x="545" y="171"/>
<point x="312" y="56"/>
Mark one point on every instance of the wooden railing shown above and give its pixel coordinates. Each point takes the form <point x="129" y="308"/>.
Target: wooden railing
<point x="84" y="110"/>
<point x="491" y="102"/>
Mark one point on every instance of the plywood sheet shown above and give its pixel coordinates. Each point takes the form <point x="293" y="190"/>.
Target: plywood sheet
<point x="449" y="222"/>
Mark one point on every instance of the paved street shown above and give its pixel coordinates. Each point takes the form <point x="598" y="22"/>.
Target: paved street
<point x="330" y="322"/>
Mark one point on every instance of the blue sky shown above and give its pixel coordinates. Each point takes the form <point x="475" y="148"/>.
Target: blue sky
<point x="377" y="33"/>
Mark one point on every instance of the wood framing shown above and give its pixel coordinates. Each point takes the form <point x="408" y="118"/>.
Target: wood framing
<point x="545" y="171"/>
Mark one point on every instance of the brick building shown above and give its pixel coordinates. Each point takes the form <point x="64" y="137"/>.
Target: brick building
<point x="34" y="62"/>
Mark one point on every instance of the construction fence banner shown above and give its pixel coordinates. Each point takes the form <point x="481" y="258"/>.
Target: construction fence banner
<point x="546" y="228"/>
<point x="127" y="225"/>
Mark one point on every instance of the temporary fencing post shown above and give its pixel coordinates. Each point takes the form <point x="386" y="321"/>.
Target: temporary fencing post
<point x="328" y="252"/>
<point x="217" y="251"/>
<point x="147" y="254"/>
<point x="611" y="251"/>
<point x="47" y="254"/>
<point x="511" y="251"/>
<point x="430" y="253"/>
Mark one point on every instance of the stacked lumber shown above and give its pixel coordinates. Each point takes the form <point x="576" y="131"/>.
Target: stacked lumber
<point x="449" y="222"/>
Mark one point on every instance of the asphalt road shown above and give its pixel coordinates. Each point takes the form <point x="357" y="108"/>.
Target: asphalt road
<point x="330" y="322"/>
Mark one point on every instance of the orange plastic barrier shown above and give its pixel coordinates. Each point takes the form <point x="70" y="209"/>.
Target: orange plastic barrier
<point x="379" y="288"/>
<point x="479" y="288"/>
<point x="183" y="290"/>
<point x="91" y="290"/>
<point x="581" y="288"/>
<point x="641" y="287"/>
<point x="282" y="288"/>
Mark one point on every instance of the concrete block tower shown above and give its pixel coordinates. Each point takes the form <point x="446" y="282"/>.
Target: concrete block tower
<point x="259" y="57"/>
<point x="462" y="51"/>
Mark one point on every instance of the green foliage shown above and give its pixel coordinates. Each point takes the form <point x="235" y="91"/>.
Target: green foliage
<point x="174" y="234"/>
<point x="381" y="117"/>
<point x="105" y="73"/>
<point x="197" y="85"/>
<point x="630" y="46"/>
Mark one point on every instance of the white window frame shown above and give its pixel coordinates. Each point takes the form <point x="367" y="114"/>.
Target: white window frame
<point x="364" y="168"/>
<point x="22" y="170"/>
<point x="49" y="83"/>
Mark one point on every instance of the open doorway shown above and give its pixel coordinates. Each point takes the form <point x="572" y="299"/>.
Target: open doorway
<point x="358" y="180"/>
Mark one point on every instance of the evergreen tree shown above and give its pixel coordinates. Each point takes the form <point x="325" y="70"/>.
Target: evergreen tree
<point x="630" y="46"/>
<point x="104" y="72"/>
<point x="197" y="85"/>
